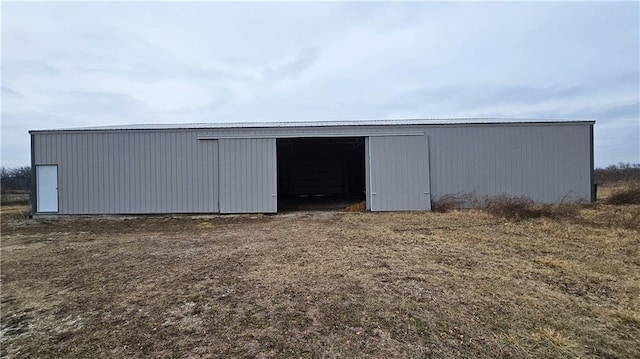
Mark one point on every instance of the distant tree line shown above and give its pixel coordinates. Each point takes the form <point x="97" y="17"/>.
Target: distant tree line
<point x="15" y="179"/>
<point x="618" y="173"/>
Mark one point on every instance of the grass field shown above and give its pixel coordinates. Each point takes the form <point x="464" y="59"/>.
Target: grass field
<point x="323" y="285"/>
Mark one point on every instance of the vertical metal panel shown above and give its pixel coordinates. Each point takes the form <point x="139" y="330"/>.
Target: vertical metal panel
<point x="367" y="172"/>
<point x="593" y="179"/>
<point x="132" y="172"/>
<point x="399" y="173"/>
<point x="34" y="192"/>
<point x="248" y="171"/>
<point x="545" y="163"/>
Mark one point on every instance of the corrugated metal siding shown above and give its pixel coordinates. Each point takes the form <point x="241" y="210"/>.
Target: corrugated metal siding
<point x="545" y="163"/>
<point x="367" y="172"/>
<point x="248" y="171"/>
<point x="172" y="171"/>
<point x="356" y="131"/>
<point x="128" y="172"/>
<point x="399" y="177"/>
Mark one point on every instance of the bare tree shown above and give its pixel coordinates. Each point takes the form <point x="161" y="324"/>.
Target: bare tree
<point x="618" y="173"/>
<point x="15" y="179"/>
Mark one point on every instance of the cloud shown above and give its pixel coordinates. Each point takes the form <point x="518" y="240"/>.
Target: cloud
<point x="469" y="98"/>
<point x="8" y="91"/>
<point x="33" y="67"/>
<point x="94" y="63"/>
<point x="171" y="95"/>
<point x="622" y="111"/>
<point x="92" y="103"/>
<point x="292" y="68"/>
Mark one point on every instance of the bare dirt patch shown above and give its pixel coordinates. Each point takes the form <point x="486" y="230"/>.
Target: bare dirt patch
<point x="322" y="285"/>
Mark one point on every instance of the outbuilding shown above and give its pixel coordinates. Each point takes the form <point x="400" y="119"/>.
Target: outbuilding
<point x="392" y="165"/>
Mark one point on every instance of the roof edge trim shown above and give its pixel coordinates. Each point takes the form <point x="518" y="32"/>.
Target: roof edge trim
<point x="319" y="124"/>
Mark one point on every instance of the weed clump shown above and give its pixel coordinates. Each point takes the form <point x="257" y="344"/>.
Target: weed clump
<point x="628" y="195"/>
<point x="510" y="208"/>
<point x="447" y="203"/>
<point x="523" y="208"/>
<point x="358" y="207"/>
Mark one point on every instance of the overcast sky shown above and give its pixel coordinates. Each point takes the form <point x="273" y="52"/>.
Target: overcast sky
<point x="90" y="64"/>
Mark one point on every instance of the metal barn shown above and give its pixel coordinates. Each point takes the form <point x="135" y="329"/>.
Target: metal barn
<point x="260" y="167"/>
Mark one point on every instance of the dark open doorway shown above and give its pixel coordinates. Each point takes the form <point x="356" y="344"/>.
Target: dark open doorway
<point x="320" y="173"/>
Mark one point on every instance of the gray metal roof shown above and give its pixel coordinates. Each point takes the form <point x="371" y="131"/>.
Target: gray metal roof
<point x="395" y="122"/>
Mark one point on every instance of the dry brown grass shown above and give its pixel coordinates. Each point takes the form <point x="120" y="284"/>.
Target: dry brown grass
<point x="357" y="207"/>
<point x="625" y="195"/>
<point x="12" y="212"/>
<point x="522" y="208"/>
<point x="323" y="285"/>
<point x="448" y="203"/>
<point x="606" y="190"/>
<point x="12" y="198"/>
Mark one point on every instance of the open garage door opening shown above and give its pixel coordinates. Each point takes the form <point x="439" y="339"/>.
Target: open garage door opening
<point x="326" y="173"/>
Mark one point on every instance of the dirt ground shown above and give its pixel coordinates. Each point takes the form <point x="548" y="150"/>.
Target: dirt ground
<point x="322" y="285"/>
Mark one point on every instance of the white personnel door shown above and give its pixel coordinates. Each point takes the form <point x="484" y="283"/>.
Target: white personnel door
<point x="47" y="188"/>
